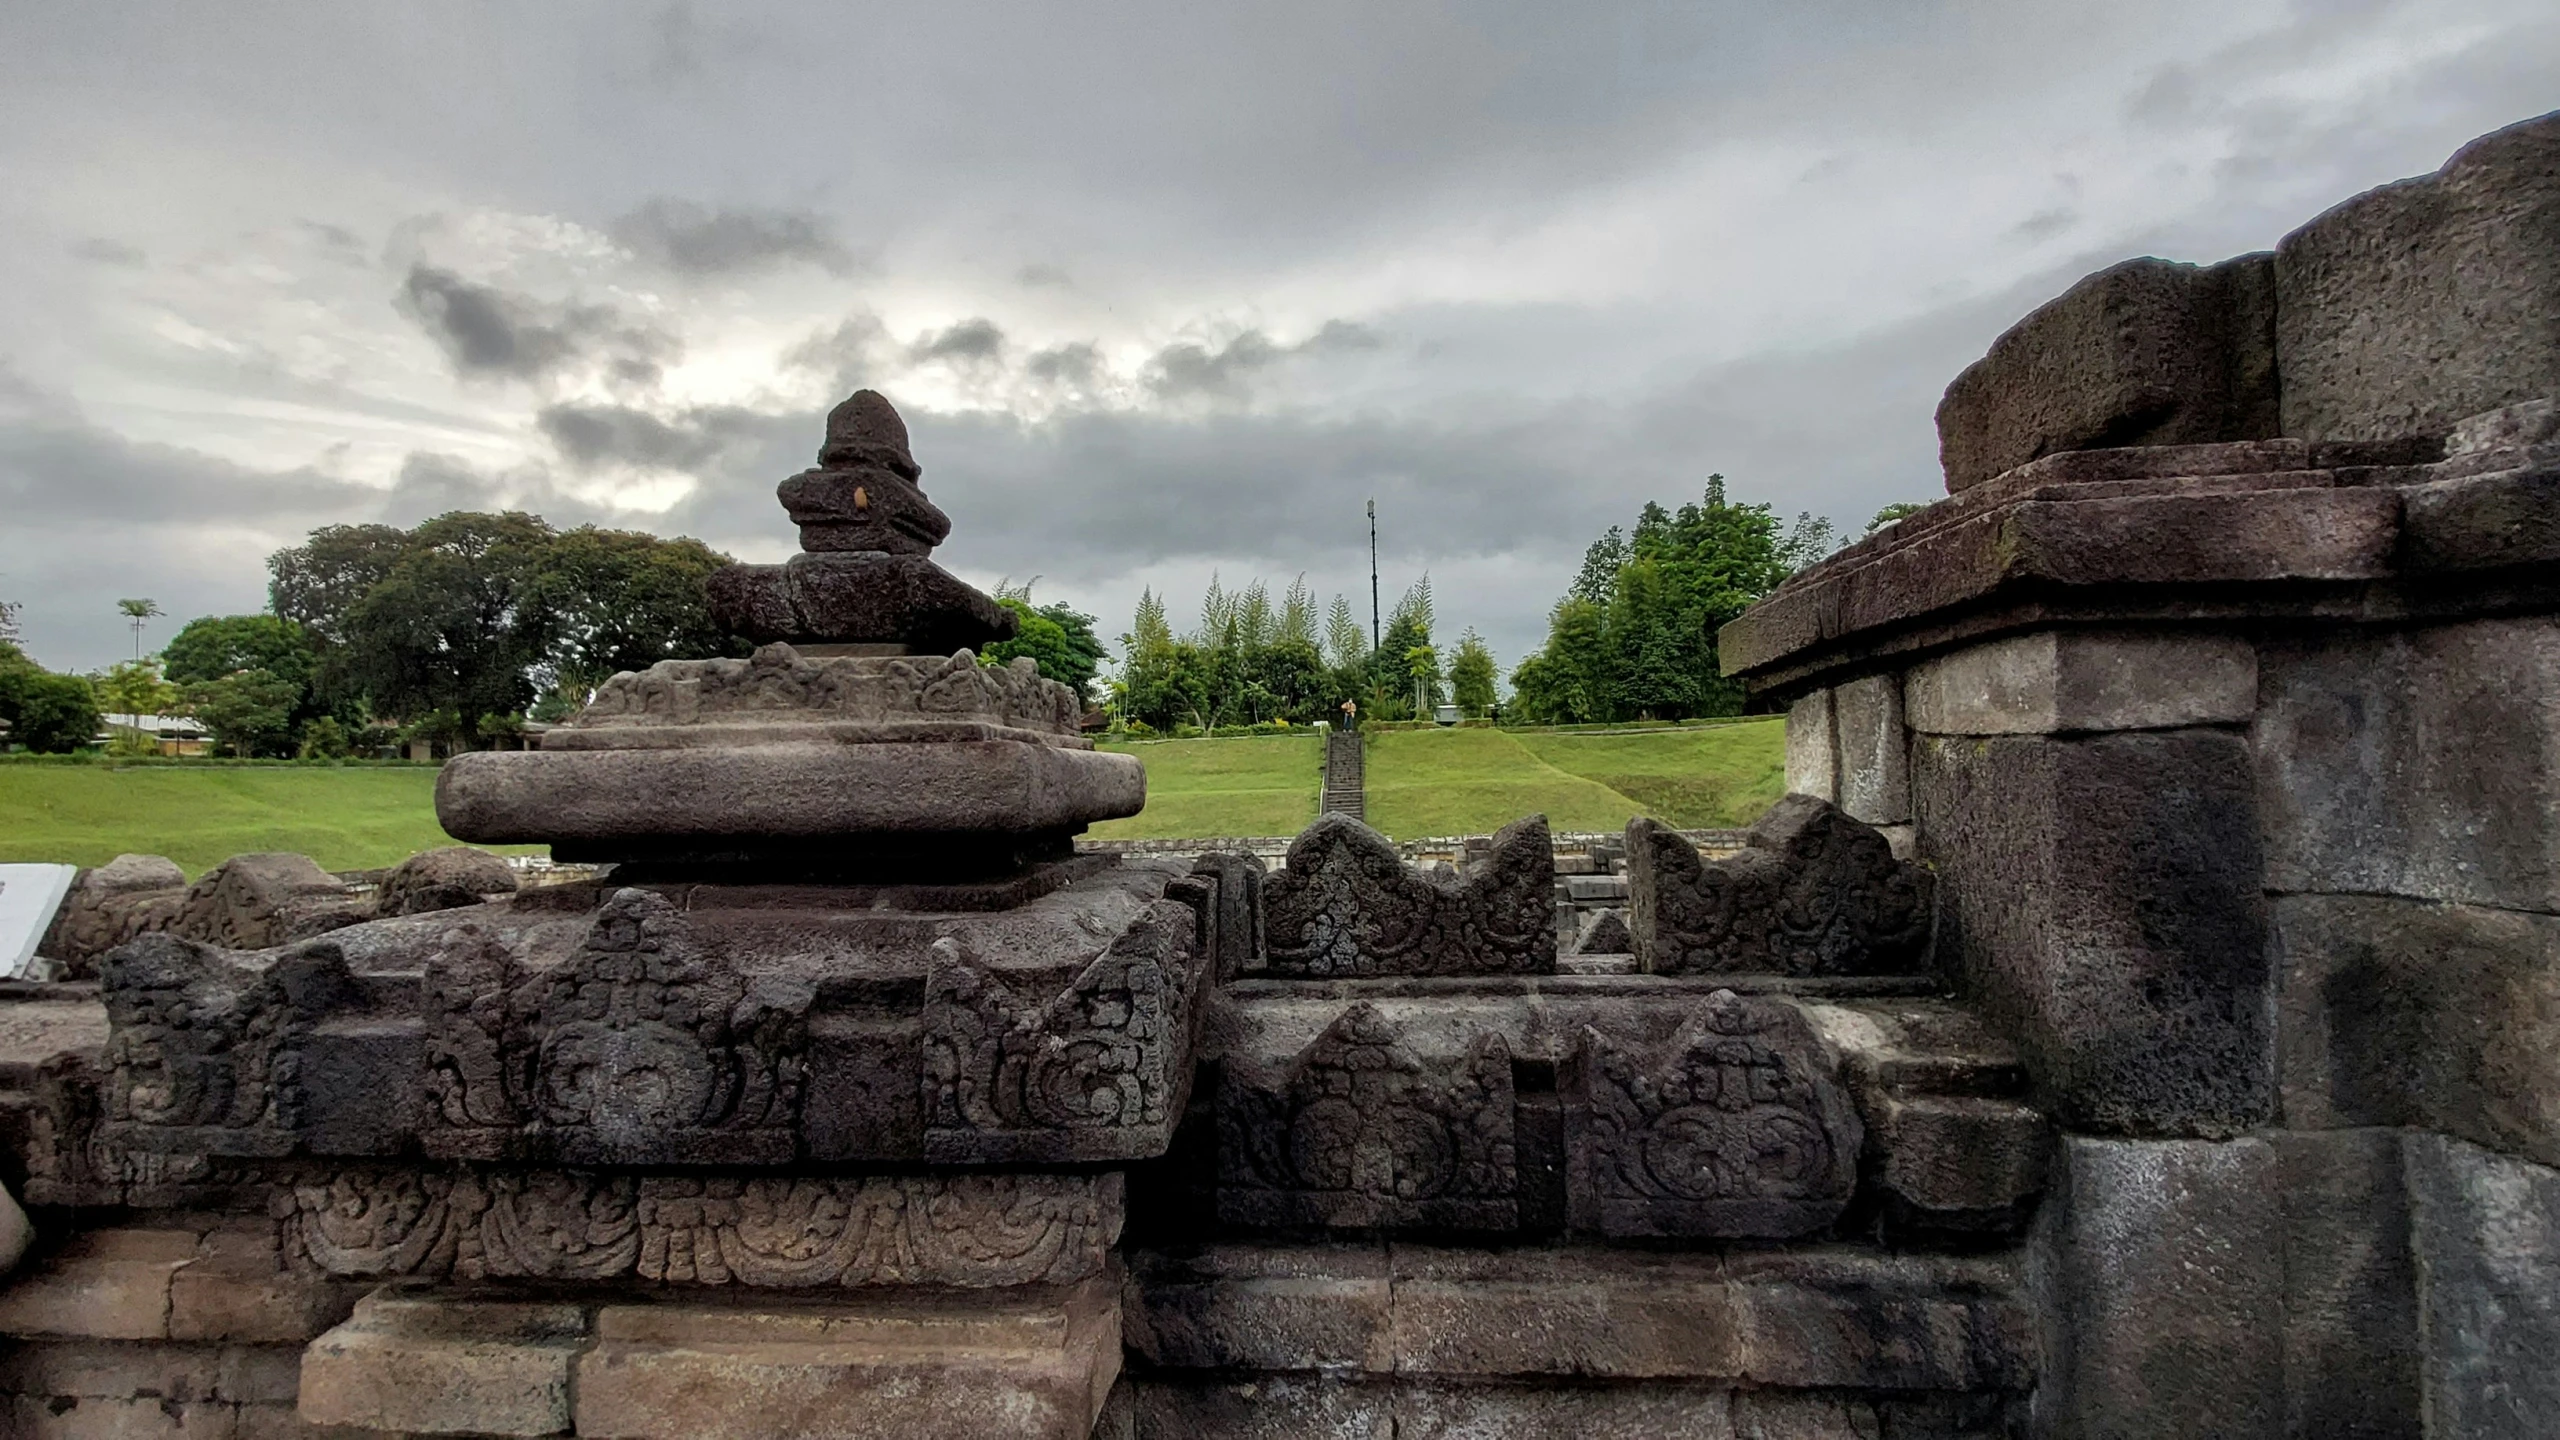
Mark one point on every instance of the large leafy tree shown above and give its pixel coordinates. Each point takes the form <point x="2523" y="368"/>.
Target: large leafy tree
<point x="474" y="615"/>
<point x="1634" y="636"/>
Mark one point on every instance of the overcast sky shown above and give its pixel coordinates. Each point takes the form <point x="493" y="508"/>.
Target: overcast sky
<point x="1162" y="290"/>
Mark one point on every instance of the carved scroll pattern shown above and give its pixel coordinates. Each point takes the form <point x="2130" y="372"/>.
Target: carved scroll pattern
<point x="778" y="683"/>
<point x="1348" y="905"/>
<point x="779" y="1233"/>
<point x="1365" y="1133"/>
<point x="1814" y="893"/>
<point x="1008" y="1076"/>
<point x="1732" y="1127"/>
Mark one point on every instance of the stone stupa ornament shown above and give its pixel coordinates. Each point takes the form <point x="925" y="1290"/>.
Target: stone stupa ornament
<point x="863" y="737"/>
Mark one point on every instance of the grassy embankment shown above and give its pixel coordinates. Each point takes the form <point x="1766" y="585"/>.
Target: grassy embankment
<point x="347" y="819"/>
<point x="1422" y="782"/>
<point x="1462" y="782"/>
<point x="1248" y="785"/>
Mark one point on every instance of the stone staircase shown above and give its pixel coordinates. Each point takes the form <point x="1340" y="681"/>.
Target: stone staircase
<point x="1345" y="777"/>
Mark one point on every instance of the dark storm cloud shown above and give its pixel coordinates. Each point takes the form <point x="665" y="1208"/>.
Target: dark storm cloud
<point x="977" y="341"/>
<point x="694" y="239"/>
<point x="594" y="436"/>
<point x="492" y="333"/>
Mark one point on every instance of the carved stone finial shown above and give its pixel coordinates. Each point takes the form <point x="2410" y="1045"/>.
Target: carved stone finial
<point x="866" y="430"/>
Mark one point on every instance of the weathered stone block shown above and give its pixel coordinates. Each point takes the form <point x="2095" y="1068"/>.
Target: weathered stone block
<point x="2421" y="762"/>
<point x="2145" y="352"/>
<point x="2252" y="1287"/>
<point x="1813" y="748"/>
<point x="1861" y="1320"/>
<point x="2486" y="1230"/>
<point x="2411" y="306"/>
<point x="1582" y="1313"/>
<point x="2057" y="681"/>
<point x="1813" y="892"/>
<point x="1508" y="1412"/>
<point x="1732" y="1128"/>
<point x="2103" y="904"/>
<point x="238" y="1289"/>
<point x="1875" y="750"/>
<point x="444" y="879"/>
<point x="32" y="1417"/>
<point x="916" y="1367"/>
<point x="1262" y="1307"/>
<point x="446" y="1365"/>
<point x="1268" y="1407"/>
<point x="1959" y="1161"/>
<point x="1347" y="904"/>
<point x="2432" y="1016"/>
<point x="102" y="1285"/>
<point x="2165" y="1261"/>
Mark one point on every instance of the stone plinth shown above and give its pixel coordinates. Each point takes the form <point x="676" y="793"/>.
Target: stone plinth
<point x="800" y="761"/>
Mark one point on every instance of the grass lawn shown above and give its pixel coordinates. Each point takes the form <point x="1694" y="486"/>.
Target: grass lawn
<point x="1421" y="782"/>
<point x="1256" y="785"/>
<point x="350" y="819"/>
<point x="1462" y="782"/>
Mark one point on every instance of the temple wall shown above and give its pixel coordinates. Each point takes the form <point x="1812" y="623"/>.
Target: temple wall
<point x="2236" y="755"/>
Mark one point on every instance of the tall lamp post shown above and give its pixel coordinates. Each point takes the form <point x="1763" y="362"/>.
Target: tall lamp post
<point x="1374" y="640"/>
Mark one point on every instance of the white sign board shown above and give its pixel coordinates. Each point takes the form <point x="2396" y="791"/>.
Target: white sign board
<point x="29" y="894"/>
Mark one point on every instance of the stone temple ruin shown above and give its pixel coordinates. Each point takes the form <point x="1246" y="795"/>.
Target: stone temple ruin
<point x="2139" y="1021"/>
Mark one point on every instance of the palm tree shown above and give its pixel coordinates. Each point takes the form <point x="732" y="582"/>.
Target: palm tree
<point x="139" y="611"/>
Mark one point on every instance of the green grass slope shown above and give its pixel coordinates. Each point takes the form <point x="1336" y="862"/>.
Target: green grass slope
<point x="1257" y="785"/>
<point x="1692" y="778"/>
<point x="350" y="819"/>
<point x="1470" y="781"/>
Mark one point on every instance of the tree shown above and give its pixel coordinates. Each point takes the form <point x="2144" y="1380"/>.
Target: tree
<point x="48" y="713"/>
<point x="138" y="612"/>
<point x="213" y="646"/>
<point x="134" y="687"/>
<point x="1346" y="644"/>
<point x="477" y="614"/>
<point x="1471" y="676"/>
<point x="1635" y="633"/>
<point x="1895" y="513"/>
<point x="1057" y="637"/>
<point x="250" y="712"/>
<point x="617" y="600"/>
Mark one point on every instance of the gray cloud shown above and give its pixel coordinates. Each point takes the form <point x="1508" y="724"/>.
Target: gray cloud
<point x="695" y="239"/>
<point x="1077" y="366"/>
<point x="591" y="437"/>
<point x="108" y="252"/>
<point x="1187" y="369"/>
<point x="490" y="333"/>
<point x="975" y="341"/>
<point x="1043" y="277"/>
